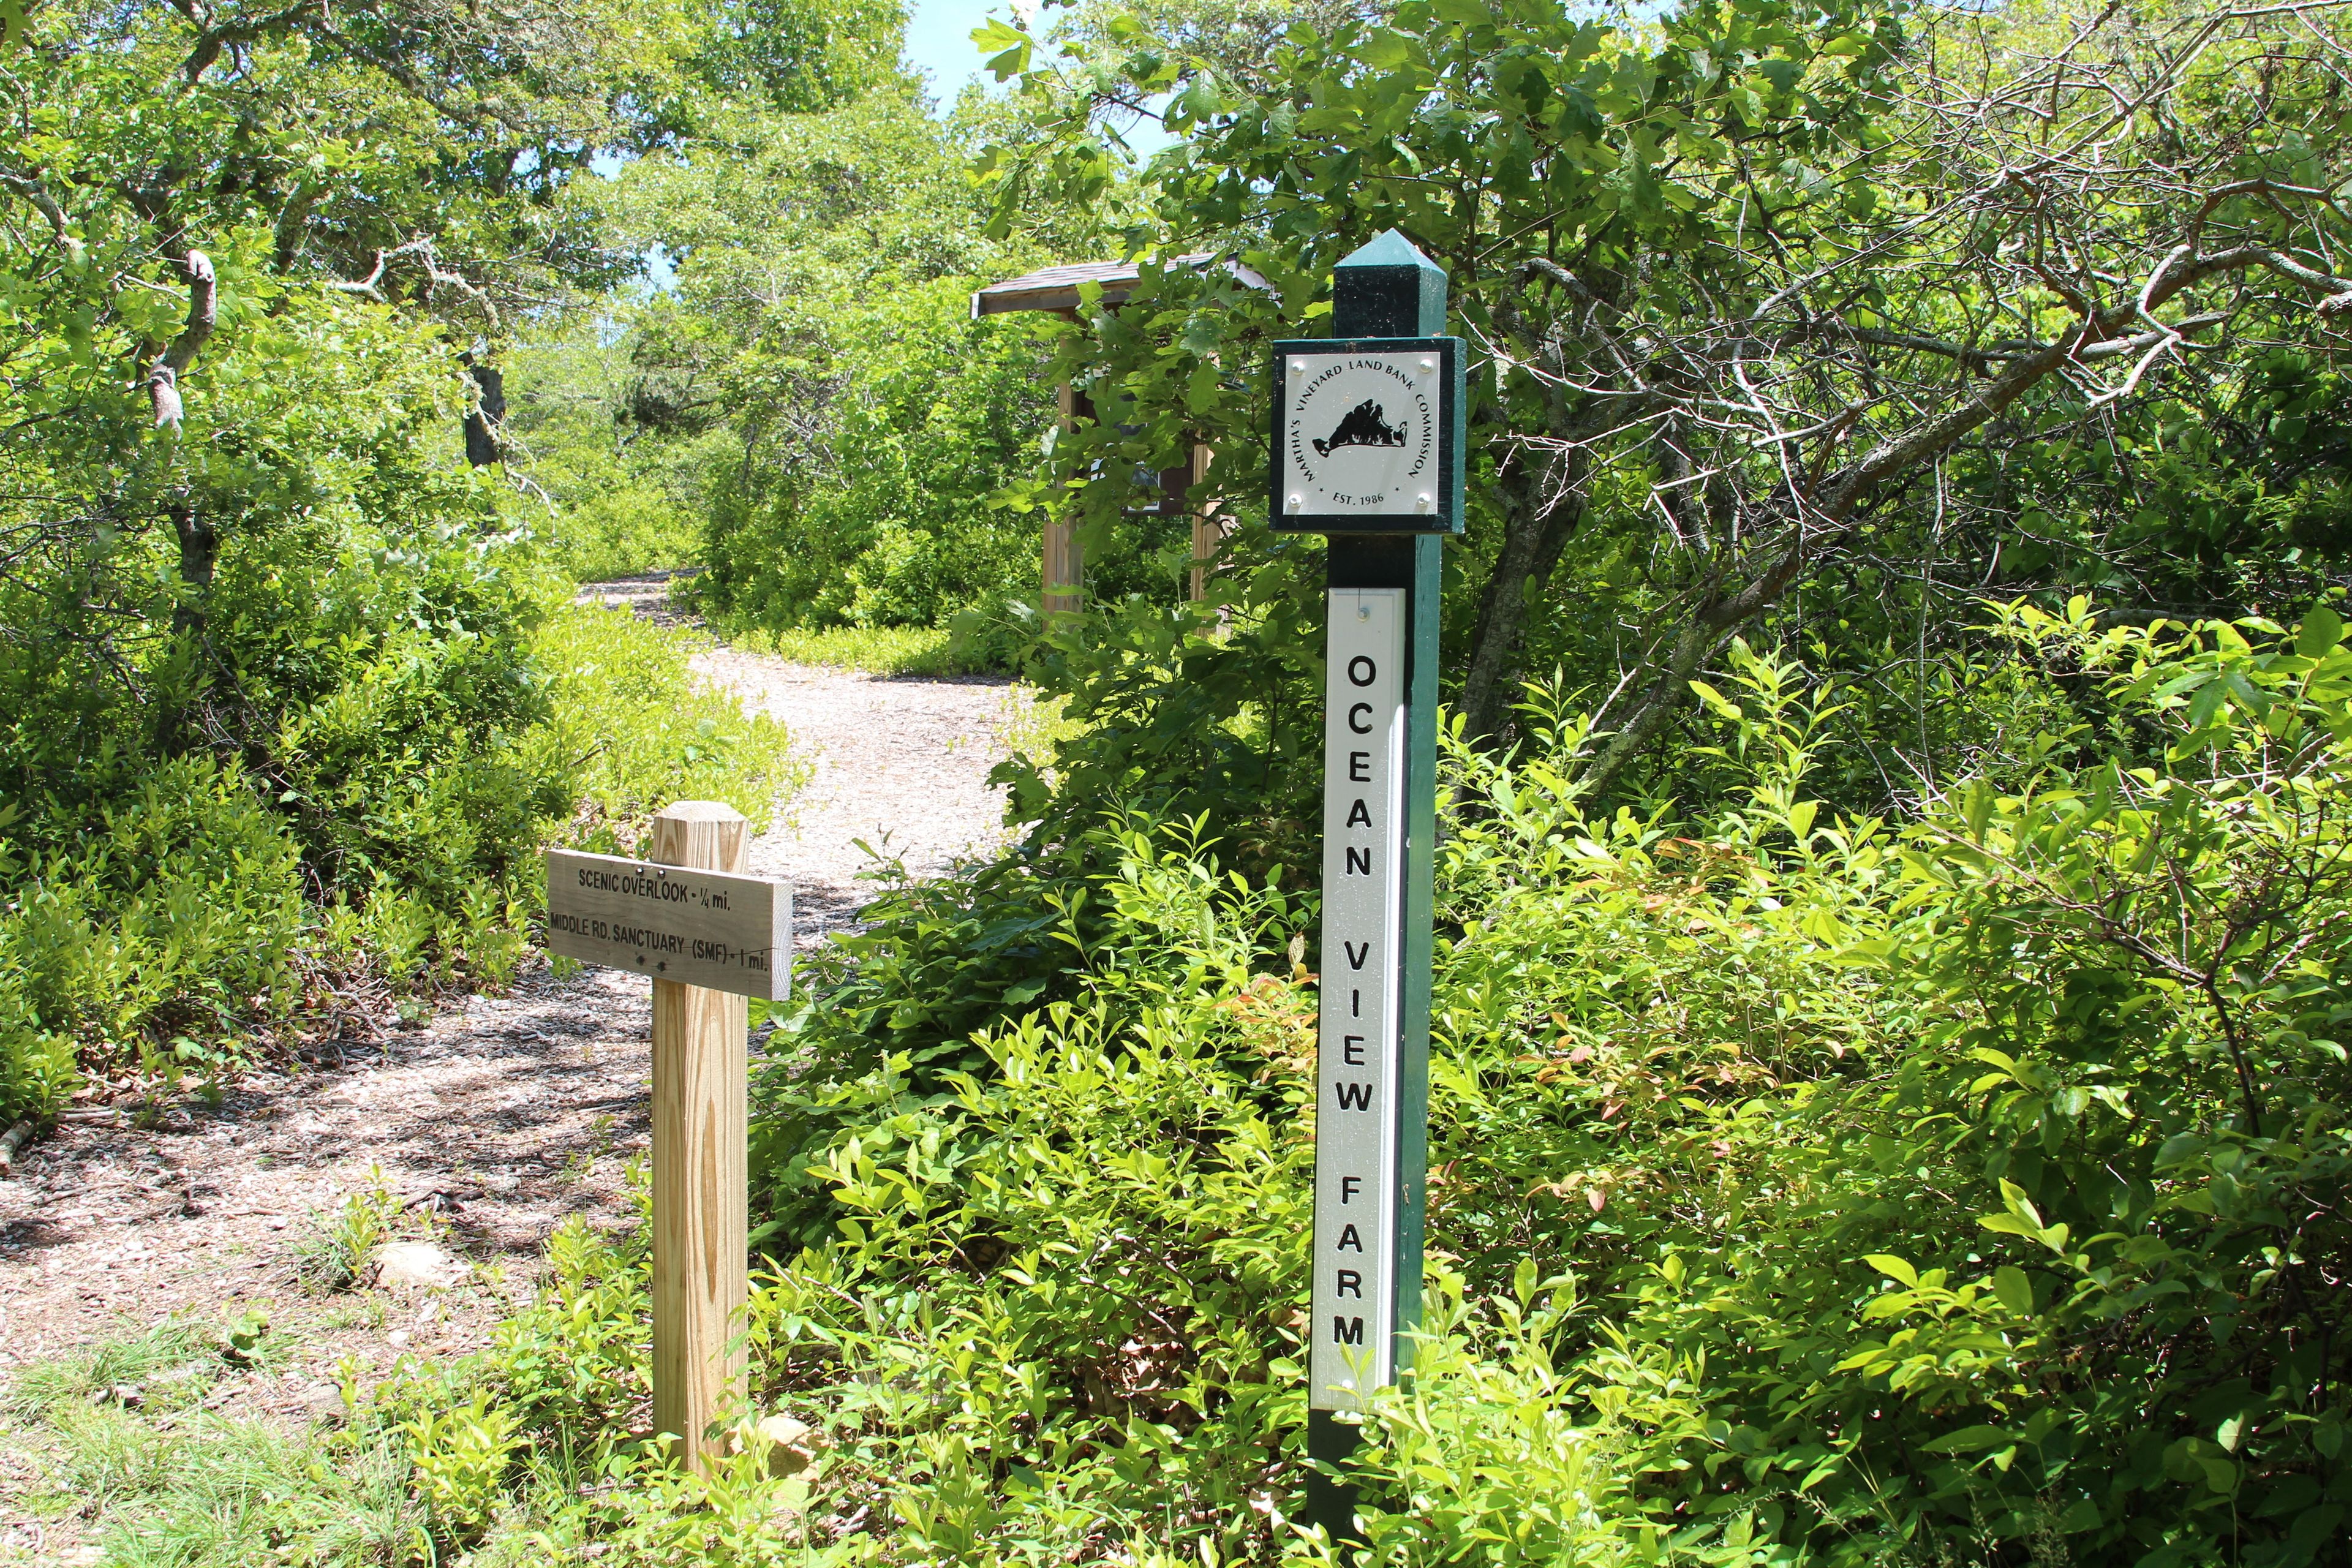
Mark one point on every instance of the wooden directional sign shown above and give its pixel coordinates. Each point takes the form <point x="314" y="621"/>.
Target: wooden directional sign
<point x="1356" y="1109"/>
<point x="712" y="929"/>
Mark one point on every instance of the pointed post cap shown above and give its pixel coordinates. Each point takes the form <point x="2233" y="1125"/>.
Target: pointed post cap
<point x="1388" y="288"/>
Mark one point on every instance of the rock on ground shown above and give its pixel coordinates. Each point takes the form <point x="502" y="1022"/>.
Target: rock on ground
<point x="416" y="1265"/>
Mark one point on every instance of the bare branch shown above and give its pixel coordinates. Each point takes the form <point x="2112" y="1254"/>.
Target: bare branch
<point x="422" y="251"/>
<point x="2055" y="238"/>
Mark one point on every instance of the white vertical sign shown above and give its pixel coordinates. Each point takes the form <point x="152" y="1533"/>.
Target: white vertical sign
<point x="1363" y="896"/>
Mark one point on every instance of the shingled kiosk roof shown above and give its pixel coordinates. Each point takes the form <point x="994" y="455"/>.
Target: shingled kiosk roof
<point x="1056" y="287"/>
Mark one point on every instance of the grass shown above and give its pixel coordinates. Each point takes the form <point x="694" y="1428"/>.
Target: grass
<point x="335" y="1254"/>
<point x="119" y="1436"/>
<point x="884" y="650"/>
<point x="211" y="1490"/>
<point x="164" y="1368"/>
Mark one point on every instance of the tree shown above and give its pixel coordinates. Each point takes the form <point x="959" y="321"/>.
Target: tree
<point x="815" y="349"/>
<point x="1746" y="280"/>
<point x="403" y="154"/>
<point x="216" y="212"/>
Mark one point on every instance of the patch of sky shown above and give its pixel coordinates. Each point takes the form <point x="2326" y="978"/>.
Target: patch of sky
<point x="939" y="47"/>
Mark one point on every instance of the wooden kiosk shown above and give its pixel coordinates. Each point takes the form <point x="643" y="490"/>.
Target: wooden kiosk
<point x="1062" y="569"/>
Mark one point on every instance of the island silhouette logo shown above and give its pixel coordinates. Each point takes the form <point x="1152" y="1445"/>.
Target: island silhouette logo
<point x="1366" y="425"/>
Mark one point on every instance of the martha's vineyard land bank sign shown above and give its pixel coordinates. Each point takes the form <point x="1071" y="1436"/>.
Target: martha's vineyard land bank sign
<point x="1365" y="435"/>
<point x="1366" y="443"/>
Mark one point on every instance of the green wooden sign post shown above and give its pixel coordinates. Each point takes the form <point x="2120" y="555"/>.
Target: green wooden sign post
<point x="1367" y="450"/>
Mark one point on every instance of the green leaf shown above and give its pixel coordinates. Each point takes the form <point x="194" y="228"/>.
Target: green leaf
<point x="1976" y="805"/>
<point x="2314" y="1528"/>
<point x="1012" y="48"/>
<point x="2321" y="631"/>
<point x="1967" y="1440"/>
<point x="2082" y="1516"/>
<point x="1717" y="700"/>
<point x="2013" y="1291"/>
<point x="1895" y="1268"/>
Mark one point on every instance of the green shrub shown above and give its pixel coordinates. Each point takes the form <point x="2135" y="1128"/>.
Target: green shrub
<point x="1045" y="1309"/>
<point x="1488" y="1453"/>
<point x="631" y="728"/>
<point x="462" y="1457"/>
<point x="303" y="695"/>
<point x="163" y="928"/>
<point x="175" y="917"/>
<point x="1948" y="1193"/>
<point x="1803" y="1189"/>
<point x="576" y="1361"/>
<point x="889" y="524"/>
<point x="616" y="504"/>
<point x="1204" y="711"/>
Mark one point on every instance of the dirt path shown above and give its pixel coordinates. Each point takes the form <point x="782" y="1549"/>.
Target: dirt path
<point x="492" y="1121"/>
<point x="901" y="770"/>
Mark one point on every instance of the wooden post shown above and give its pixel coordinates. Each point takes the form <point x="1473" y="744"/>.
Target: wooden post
<point x="1208" y="528"/>
<point x="701" y="1197"/>
<point x="1063" y="567"/>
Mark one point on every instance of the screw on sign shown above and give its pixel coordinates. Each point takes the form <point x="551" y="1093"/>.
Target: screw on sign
<point x="1366" y="431"/>
<point x="709" y="936"/>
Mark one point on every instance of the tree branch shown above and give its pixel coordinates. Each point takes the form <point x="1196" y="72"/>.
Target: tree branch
<point x="32" y="191"/>
<point x="1844" y="493"/>
<point x="163" y="376"/>
<point x="213" y="41"/>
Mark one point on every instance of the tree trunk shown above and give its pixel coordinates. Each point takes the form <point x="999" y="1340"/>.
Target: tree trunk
<point x="486" y="424"/>
<point x="198" y="540"/>
<point x="199" y="555"/>
<point x="1536" y="529"/>
<point x="1659" y="697"/>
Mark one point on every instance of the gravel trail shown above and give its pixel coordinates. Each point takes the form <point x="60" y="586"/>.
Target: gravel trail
<point x="493" y="1121"/>
<point x="901" y="774"/>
